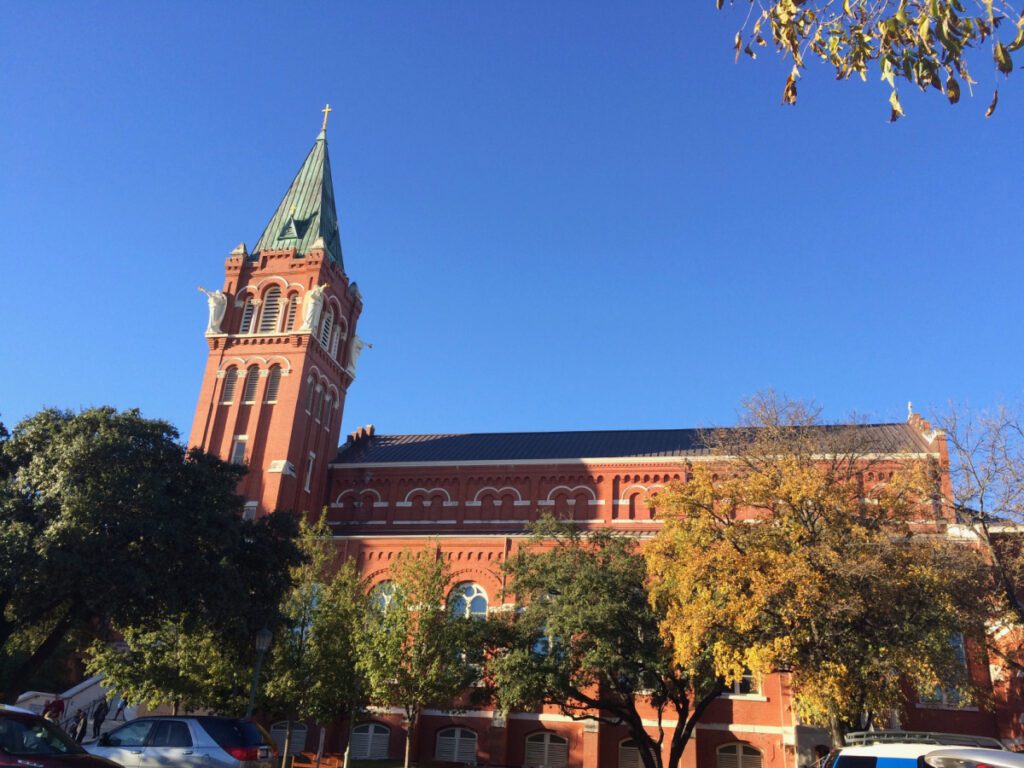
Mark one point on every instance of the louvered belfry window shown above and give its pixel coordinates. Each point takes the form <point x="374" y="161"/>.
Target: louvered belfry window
<point x="325" y="329"/>
<point x="271" y="310"/>
<point x="247" y="312"/>
<point x="273" y="384"/>
<point x="252" y="380"/>
<point x="456" y="745"/>
<point x="738" y="756"/>
<point x="370" y="742"/>
<point x="227" y="394"/>
<point x="293" y="307"/>
<point x="546" y="750"/>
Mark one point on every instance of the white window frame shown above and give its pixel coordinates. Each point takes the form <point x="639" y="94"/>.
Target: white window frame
<point x="249" y="510"/>
<point x="239" y="443"/>
<point x="461" y="739"/>
<point x="549" y="750"/>
<point x="470" y="591"/>
<point x="736" y="690"/>
<point x="374" y="744"/>
<point x="742" y="756"/>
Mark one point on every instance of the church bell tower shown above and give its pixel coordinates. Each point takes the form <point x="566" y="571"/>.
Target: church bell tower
<point x="282" y="349"/>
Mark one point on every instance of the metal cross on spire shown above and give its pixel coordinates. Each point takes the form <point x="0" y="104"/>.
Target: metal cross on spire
<point x="327" y="111"/>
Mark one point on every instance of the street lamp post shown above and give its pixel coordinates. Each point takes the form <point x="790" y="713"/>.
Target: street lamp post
<point x="263" y="638"/>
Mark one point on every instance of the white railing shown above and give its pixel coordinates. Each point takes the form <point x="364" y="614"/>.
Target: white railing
<point x="85" y="696"/>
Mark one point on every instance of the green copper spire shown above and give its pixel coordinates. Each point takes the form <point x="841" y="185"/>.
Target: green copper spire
<point x="307" y="212"/>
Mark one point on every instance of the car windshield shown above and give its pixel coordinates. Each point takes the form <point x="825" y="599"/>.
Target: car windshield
<point x="34" y="736"/>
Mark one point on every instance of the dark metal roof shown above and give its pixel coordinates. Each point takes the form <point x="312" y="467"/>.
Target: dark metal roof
<point x="560" y="446"/>
<point x="307" y="212"/>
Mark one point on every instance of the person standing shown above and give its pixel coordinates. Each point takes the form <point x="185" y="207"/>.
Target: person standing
<point x="80" y="726"/>
<point x="119" y="712"/>
<point x="54" y="711"/>
<point x="99" y="714"/>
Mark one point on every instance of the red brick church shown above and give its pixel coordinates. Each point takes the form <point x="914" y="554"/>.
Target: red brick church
<point x="283" y="352"/>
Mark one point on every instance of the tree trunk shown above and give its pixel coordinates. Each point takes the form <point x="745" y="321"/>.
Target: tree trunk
<point x="411" y="720"/>
<point x="837" y="731"/>
<point x="21" y="674"/>
<point x="685" y="726"/>
<point x="287" y="744"/>
<point x="174" y="707"/>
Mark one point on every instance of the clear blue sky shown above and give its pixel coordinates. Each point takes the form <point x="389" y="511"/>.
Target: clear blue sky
<point x="562" y="215"/>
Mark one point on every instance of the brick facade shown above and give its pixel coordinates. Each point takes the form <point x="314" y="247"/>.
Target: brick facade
<point x="475" y="506"/>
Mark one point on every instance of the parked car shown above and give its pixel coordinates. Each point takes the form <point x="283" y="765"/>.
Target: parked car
<point x="187" y="742"/>
<point x="965" y="757"/>
<point x="908" y="749"/>
<point x="26" y="739"/>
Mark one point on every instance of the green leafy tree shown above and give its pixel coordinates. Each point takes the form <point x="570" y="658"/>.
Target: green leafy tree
<point x="313" y="671"/>
<point x="791" y="558"/>
<point x="188" y="668"/>
<point x="588" y="640"/>
<point x="106" y="522"/>
<point x="926" y="43"/>
<point x="415" y="652"/>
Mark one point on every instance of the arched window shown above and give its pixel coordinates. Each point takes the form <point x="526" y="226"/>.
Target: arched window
<point x="738" y="756"/>
<point x="468" y="600"/>
<point x="326" y="327"/>
<point x="273" y="384"/>
<point x="248" y="310"/>
<point x="382" y="595"/>
<point x="293" y="309"/>
<point x="252" y="380"/>
<point x="271" y="310"/>
<point x="629" y="754"/>
<point x="370" y="742"/>
<point x="227" y="394"/>
<point x="310" y="393"/>
<point x="546" y="750"/>
<point x="326" y="419"/>
<point x="318" y="404"/>
<point x="325" y="406"/>
<point x="456" y="745"/>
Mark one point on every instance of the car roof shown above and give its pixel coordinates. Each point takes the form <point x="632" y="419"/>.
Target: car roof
<point x="16" y="710"/>
<point x="981" y="755"/>
<point x="889" y="750"/>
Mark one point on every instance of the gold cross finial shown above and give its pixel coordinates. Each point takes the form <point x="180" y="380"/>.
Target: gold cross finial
<point x="326" y="110"/>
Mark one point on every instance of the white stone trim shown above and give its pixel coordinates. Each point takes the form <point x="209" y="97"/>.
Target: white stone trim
<point x="428" y="492"/>
<point x="573" y="490"/>
<point x="498" y="492"/>
<point x="423" y="522"/>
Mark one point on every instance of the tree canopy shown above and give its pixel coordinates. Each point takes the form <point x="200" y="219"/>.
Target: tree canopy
<point x="107" y="522"/>
<point x="925" y="43"/>
<point x="587" y="639"/>
<point x="793" y="558"/>
<point x="313" y="671"/>
<point x="416" y="652"/>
